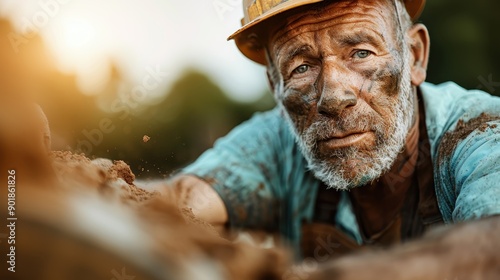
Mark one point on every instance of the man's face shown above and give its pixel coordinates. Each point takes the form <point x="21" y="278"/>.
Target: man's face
<point x="343" y="78"/>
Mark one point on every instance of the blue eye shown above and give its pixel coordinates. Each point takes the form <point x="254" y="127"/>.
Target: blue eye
<point x="362" y="54"/>
<point x="301" y="69"/>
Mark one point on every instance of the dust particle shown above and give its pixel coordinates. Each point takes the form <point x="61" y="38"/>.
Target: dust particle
<point x="145" y="138"/>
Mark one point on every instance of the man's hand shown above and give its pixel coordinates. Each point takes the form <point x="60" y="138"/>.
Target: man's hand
<point x="191" y="192"/>
<point x="469" y="250"/>
<point x="24" y="137"/>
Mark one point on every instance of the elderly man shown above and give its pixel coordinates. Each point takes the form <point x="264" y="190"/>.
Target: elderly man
<point x="360" y="150"/>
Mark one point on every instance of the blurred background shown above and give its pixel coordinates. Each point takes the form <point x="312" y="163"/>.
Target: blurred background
<point x="108" y="73"/>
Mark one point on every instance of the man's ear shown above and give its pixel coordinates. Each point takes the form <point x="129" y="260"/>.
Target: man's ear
<point x="420" y="43"/>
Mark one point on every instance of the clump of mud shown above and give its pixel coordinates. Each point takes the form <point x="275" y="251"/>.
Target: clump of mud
<point x="109" y="177"/>
<point x="462" y="130"/>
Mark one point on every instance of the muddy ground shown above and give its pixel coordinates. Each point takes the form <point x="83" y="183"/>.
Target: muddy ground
<point x="89" y="221"/>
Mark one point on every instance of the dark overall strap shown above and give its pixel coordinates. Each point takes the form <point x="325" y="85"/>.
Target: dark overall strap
<point x="321" y="239"/>
<point x="428" y="208"/>
<point x="327" y="200"/>
<point x="421" y="210"/>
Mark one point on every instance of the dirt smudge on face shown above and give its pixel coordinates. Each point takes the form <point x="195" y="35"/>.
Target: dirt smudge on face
<point x="452" y="138"/>
<point x="389" y="78"/>
<point x="297" y="103"/>
<point x="368" y="73"/>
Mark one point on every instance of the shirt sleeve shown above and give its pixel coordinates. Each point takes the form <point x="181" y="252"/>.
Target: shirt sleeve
<point x="475" y="167"/>
<point x="245" y="168"/>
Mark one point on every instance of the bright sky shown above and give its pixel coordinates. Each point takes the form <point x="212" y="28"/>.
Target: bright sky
<point x="84" y="35"/>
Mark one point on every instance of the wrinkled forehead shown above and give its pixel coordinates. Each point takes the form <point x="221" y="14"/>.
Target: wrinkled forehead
<point x="379" y="16"/>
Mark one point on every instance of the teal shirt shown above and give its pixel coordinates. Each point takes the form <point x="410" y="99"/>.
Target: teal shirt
<point x="263" y="179"/>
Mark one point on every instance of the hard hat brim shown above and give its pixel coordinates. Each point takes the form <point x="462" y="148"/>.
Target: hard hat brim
<point x="285" y="6"/>
<point x="256" y="53"/>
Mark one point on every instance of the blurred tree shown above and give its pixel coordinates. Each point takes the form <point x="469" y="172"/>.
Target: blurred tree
<point x="464" y="42"/>
<point x="187" y="122"/>
<point x="27" y="70"/>
<point x="69" y="111"/>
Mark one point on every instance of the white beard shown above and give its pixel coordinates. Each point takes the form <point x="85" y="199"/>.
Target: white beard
<point x="373" y="165"/>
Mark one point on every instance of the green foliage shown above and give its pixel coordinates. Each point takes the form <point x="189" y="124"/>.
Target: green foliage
<point x="464" y="41"/>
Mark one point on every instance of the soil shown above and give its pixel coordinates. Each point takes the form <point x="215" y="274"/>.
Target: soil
<point x="107" y="176"/>
<point x="180" y="239"/>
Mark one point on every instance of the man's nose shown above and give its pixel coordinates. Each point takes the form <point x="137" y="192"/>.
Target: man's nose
<point x="335" y="92"/>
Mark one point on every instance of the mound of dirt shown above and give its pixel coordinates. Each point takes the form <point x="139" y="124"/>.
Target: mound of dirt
<point x="177" y="244"/>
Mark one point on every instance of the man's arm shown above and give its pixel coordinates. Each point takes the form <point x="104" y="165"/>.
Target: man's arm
<point x="468" y="176"/>
<point x="191" y="192"/>
<point x="246" y="169"/>
<point x="259" y="179"/>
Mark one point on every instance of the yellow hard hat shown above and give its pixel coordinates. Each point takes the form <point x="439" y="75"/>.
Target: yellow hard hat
<point x="257" y="11"/>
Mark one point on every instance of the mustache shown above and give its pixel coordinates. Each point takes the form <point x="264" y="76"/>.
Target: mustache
<point x="324" y="127"/>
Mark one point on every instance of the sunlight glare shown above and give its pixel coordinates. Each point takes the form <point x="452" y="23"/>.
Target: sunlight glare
<point x="77" y="35"/>
<point x="76" y="45"/>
